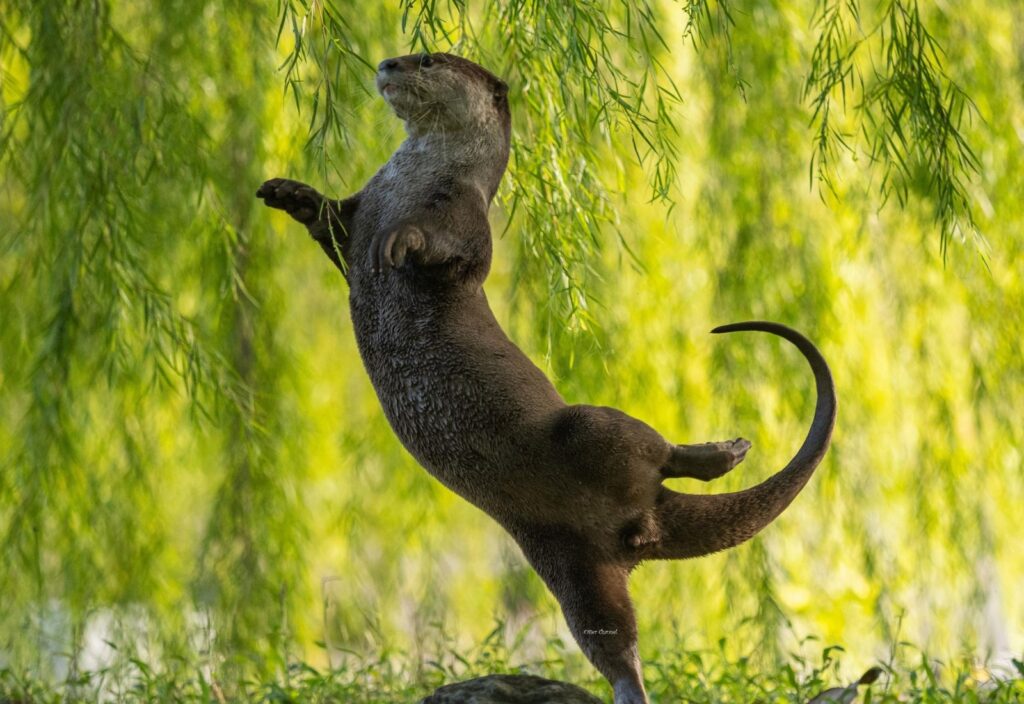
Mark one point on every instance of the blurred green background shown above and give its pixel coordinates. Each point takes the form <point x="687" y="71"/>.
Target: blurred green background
<point x="194" y="462"/>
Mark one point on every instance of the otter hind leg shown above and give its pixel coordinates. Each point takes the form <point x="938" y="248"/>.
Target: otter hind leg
<point x="597" y="607"/>
<point x="609" y="445"/>
<point x="594" y="597"/>
<point x="706" y="461"/>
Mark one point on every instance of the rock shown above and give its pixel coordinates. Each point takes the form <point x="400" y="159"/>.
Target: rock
<point x="510" y="689"/>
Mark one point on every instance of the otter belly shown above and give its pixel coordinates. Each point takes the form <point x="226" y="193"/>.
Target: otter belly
<point x="438" y="410"/>
<point x="442" y="409"/>
<point x="459" y="395"/>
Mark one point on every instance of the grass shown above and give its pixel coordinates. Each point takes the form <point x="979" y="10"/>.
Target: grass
<point x="701" y="677"/>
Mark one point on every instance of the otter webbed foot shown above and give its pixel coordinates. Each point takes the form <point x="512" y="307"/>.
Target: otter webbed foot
<point x="302" y="202"/>
<point x="705" y="461"/>
<point x="393" y="248"/>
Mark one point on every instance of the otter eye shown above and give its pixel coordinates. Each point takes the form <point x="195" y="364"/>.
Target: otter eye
<point x="426" y="61"/>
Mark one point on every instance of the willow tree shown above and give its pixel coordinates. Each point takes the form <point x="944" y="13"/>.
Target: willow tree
<point x="191" y="450"/>
<point x="156" y="377"/>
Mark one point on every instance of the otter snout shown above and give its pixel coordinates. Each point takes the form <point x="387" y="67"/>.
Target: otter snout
<point x="401" y="64"/>
<point x="390" y="74"/>
<point x="384" y="70"/>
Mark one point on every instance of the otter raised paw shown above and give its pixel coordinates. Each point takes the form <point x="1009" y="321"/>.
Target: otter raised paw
<point x="328" y="220"/>
<point x="301" y="201"/>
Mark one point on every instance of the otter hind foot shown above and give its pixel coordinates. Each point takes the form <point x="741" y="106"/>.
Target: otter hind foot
<point x="705" y="461"/>
<point x="629" y="691"/>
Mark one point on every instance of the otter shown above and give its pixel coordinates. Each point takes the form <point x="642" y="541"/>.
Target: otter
<point x="579" y="487"/>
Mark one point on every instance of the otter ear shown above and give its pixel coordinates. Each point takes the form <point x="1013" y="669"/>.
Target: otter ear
<point x="500" y="89"/>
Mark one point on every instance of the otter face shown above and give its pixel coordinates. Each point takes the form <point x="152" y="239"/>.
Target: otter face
<point x="442" y="92"/>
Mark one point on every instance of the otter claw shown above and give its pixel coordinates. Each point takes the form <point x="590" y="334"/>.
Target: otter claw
<point x="735" y="451"/>
<point x="726" y="455"/>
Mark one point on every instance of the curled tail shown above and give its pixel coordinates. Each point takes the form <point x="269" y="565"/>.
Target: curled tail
<point x="694" y="525"/>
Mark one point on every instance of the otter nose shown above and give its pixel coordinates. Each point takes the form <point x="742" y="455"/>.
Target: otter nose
<point x="388" y="65"/>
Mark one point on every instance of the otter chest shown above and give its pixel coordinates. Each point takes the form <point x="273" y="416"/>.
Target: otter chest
<point x="413" y="180"/>
<point x="430" y="396"/>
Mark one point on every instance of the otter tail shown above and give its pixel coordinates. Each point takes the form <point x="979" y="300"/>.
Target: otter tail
<point x="694" y="525"/>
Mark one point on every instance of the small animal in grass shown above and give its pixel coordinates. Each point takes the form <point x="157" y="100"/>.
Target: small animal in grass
<point x="846" y="695"/>
<point x="579" y="488"/>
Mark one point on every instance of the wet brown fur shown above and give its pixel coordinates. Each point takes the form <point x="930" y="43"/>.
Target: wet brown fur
<point x="578" y="487"/>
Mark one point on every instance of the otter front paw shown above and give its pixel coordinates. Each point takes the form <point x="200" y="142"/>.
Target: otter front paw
<point x="297" y="199"/>
<point x="393" y="248"/>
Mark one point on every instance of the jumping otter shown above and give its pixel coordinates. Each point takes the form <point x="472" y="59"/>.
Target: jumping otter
<point x="578" y="487"/>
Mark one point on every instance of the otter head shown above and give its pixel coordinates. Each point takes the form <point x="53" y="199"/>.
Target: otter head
<point x="444" y="93"/>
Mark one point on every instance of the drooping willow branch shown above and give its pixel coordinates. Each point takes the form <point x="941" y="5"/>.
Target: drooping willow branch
<point x="909" y="115"/>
